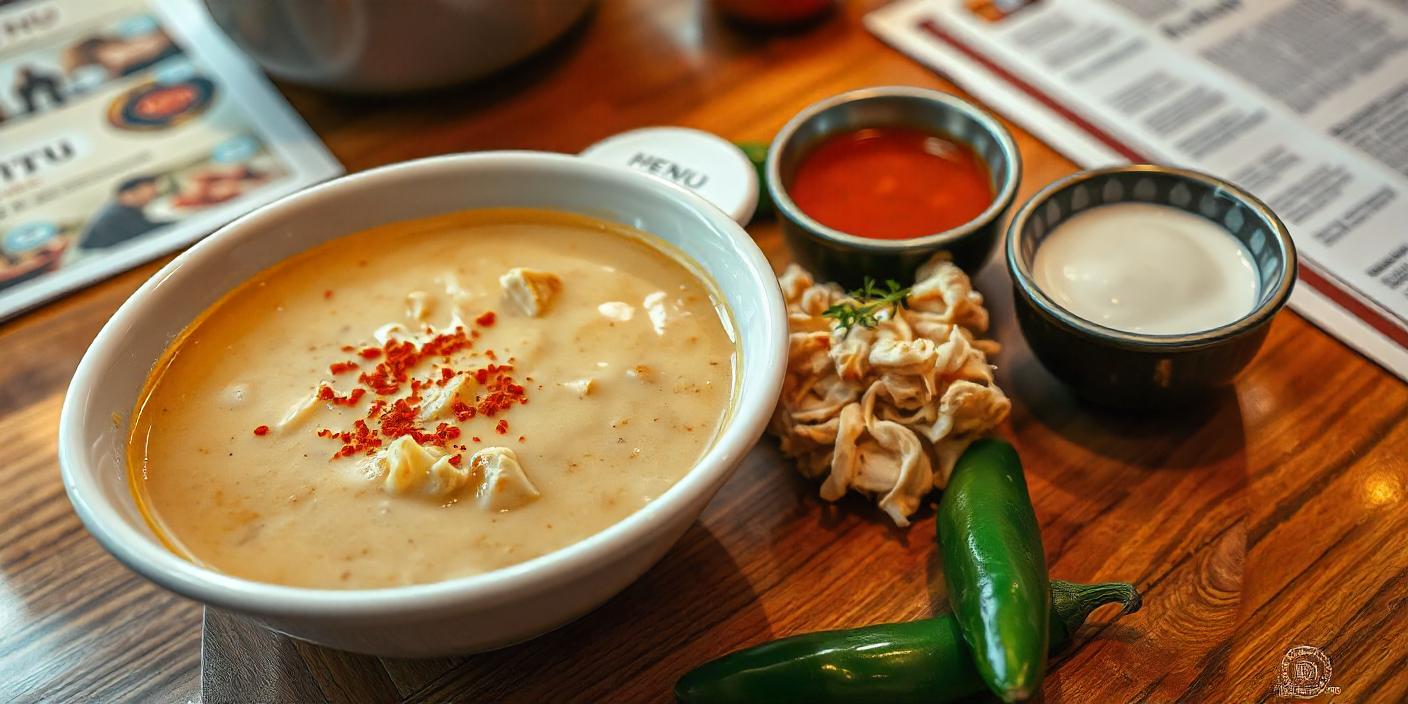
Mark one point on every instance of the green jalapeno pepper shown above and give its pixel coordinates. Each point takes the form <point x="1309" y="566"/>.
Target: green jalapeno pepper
<point x="921" y="662"/>
<point x="995" y="569"/>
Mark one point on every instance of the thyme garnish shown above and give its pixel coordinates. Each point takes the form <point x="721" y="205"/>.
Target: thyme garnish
<point x="870" y="299"/>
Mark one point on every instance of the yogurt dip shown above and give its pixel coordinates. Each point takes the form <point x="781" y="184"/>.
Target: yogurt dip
<point x="1150" y="269"/>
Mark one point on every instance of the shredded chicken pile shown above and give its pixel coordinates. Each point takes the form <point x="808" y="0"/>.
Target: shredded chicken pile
<point x="887" y="410"/>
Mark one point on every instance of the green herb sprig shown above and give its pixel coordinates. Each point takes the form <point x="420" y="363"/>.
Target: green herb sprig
<point x="870" y="300"/>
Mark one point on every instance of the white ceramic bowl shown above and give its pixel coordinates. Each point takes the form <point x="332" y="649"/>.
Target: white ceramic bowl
<point x="461" y="615"/>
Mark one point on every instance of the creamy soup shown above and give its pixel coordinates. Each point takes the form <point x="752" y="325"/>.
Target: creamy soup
<point x="432" y="399"/>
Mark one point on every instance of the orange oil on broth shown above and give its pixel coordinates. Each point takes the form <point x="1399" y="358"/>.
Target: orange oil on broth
<point x="278" y="507"/>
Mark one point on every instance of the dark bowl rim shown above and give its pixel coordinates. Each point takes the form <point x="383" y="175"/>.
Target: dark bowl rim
<point x="1025" y="283"/>
<point x="1001" y="201"/>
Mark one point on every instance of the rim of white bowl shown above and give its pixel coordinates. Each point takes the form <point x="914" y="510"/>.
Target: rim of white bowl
<point x="144" y="554"/>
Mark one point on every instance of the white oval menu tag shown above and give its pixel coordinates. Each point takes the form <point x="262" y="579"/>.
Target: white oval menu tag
<point x="704" y="163"/>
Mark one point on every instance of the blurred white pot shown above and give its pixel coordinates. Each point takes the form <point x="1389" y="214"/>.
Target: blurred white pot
<point x="387" y="46"/>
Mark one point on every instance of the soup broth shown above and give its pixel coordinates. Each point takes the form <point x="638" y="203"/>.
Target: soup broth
<point x="432" y="399"/>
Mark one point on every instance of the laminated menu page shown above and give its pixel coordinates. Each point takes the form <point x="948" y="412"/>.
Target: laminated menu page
<point x="1304" y="103"/>
<point x="129" y="128"/>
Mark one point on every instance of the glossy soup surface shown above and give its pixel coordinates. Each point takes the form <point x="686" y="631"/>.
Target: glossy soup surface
<point x="595" y="405"/>
<point x="891" y="183"/>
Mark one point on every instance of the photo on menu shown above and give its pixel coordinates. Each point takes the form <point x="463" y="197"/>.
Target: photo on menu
<point x="997" y="10"/>
<point x="126" y="131"/>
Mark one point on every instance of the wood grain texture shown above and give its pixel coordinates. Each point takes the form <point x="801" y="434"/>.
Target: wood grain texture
<point x="1272" y="517"/>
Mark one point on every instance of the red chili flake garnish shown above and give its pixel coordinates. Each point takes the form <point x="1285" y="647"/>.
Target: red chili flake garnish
<point x="520" y="438"/>
<point x="398" y="420"/>
<point x="502" y="392"/>
<point x="325" y="393"/>
<point x="490" y="354"/>
<point x="327" y="293"/>
<point x="261" y="430"/>
<point x="402" y="356"/>
<point x="387" y="419"/>
<point x="455" y="460"/>
<point x="476" y="439"/>
<point x="445" y="344"/>
<point x="361" y="439"/>
<point x="379" y="385"/>
<point x="348" y="348"/>
<point x="401" y="420"/>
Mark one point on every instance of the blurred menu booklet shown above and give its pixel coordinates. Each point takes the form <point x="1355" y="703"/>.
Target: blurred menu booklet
<point x="1304" y="103"/>
<point x="129" y="128"/>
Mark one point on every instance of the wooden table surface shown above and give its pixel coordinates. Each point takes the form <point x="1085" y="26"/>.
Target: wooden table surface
<point x="1271" y="518"/>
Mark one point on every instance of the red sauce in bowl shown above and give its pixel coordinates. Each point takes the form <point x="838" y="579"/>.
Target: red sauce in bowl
<point x="891" y="183"/>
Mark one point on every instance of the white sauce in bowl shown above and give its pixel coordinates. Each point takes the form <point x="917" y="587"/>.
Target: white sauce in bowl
<point x="1146" y="268"/>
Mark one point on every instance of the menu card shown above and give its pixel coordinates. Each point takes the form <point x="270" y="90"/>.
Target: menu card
<point x="129" y="128"/>
<point x="1304" y="103"/>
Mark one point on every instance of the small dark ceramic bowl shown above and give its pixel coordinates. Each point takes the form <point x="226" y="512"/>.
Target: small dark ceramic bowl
<point x="1132" y="369"/>
<point x="838" y="256"/>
